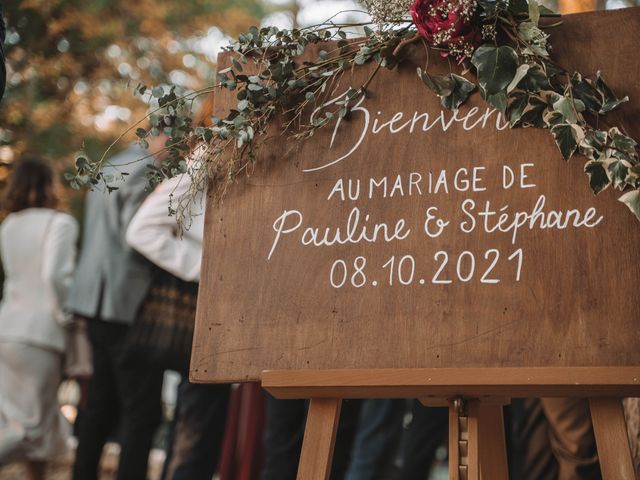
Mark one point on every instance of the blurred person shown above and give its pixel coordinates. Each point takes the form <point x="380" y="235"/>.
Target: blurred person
<point x="109" y="286"/>
<point x="552" y="438"/>
<point x="38" y="246"/>
<point x="196" y="433"/>
<point x="284" y="432"/>
<point x="422" y="438"/>
<point x="376" y="439"/>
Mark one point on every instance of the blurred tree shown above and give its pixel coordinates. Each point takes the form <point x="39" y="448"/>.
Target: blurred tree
<point x="72" y="65"/>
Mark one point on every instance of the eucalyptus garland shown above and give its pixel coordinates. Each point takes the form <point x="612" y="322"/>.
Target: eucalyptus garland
<point x="502" y="50"/>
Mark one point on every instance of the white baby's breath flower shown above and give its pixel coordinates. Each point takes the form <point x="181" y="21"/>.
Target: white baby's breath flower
<point x="387" y="10"/>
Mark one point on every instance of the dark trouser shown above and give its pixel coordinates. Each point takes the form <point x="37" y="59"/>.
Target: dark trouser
<point x="427" y="431"/>
<point x="195" y="436"/>
<point x="553" y="439"/>
<point x="530" y="455"/>
<point x="283" y="438"/>
<point x="375" y="444"/>
<point x="124" y="389"/>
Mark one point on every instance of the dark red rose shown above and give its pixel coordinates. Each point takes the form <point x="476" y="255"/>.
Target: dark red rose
<point x="446" y="24"/>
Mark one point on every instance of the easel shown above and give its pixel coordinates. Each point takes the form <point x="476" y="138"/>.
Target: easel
<point x="475" y="397"/>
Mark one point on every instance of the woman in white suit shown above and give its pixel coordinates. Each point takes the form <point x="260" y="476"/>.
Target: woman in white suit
<point x="37" y="247"/>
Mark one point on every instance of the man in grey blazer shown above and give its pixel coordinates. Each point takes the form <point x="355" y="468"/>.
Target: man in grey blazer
<point x="110" y="283"/>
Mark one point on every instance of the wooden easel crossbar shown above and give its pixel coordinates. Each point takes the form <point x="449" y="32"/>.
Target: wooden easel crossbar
<point x="475" y="397"/>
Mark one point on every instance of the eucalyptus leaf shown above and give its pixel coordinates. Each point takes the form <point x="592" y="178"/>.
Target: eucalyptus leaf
<point x="236" y="64"/>
<point x="157" y="92"/>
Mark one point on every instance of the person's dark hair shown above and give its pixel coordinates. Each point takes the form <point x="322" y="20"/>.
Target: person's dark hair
<point x="30" y="186"/>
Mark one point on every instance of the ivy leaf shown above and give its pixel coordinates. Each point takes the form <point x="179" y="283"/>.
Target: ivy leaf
<point x="609" y="99"/>
<point x="518" y="101"/>
<point x="533" y="113"/>
<point x="622" y="143"/>
<point x="565" y="139"/>
<point x="452" y="89"/>
<point x="461" y="91"/>
<point x="521" y="72"/>
<point x="518" y="6"/>
<point x="496" y="68"/>
<point x="499" y="101"/>
<point x="598" y="178"/>
<point x="632" y="200"/>
<point x="534" y="38"/>
<point x="593" y="145"/>
<point x="552" y="118"/>
<point x="569" y="109"/>
<point x="586" y="93"/>
<point x="618" y="172"/>
<point x="536" y="79"/>
<point x="443" y="85"/>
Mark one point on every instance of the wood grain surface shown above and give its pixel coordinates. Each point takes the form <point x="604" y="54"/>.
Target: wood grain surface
<point x="472" y="296"/>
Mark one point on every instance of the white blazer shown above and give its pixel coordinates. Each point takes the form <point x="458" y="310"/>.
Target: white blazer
<point x="154" y="233"/>
<point x="38" y="249"/>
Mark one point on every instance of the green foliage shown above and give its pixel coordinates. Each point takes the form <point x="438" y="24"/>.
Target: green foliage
<point x="513" y="68"/>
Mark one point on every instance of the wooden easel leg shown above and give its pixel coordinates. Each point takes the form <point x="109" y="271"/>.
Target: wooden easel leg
<point x="611" y="439"/>
<point x="493" y="449"/>
<point x="319" y="439"/>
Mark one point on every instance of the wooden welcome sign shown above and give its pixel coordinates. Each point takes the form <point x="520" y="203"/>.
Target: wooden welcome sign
<point x="413" y="236"/>
<point x="413" y="251"/>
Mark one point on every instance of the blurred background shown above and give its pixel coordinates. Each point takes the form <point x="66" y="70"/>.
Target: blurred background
<point x="72" y="66"/>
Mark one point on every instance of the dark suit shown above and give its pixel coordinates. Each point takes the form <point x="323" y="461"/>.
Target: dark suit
<point x="110" y="283"/>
